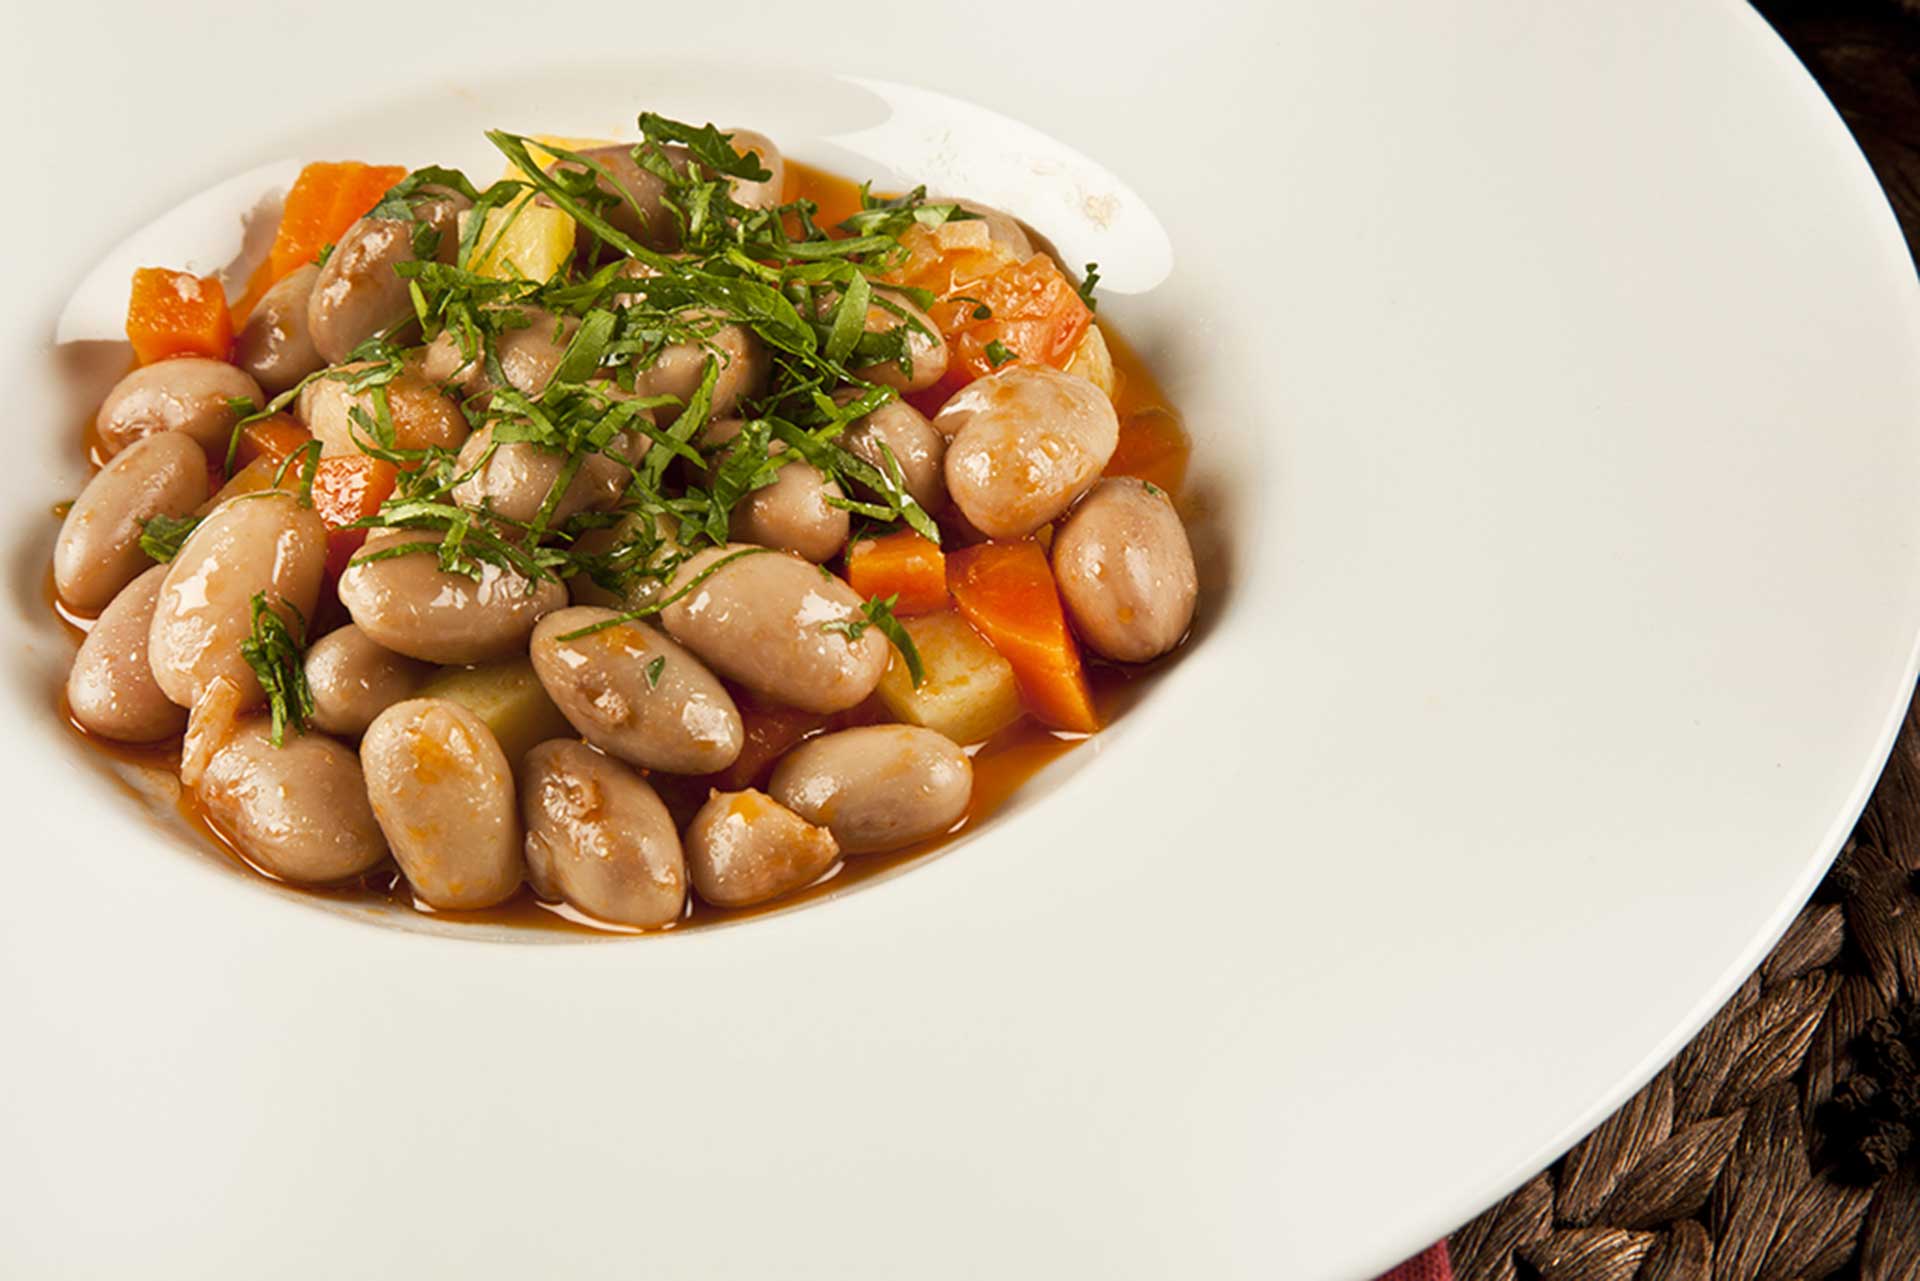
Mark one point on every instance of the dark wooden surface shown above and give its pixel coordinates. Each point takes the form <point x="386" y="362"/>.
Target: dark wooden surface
<point x="1866" y="55"/>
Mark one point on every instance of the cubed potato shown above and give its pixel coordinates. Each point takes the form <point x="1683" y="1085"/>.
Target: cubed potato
<point x="508" y="698"/>
<point x="522" y="241"/>
<point x="969" y="692"/>
<point x="1093" y="361"/>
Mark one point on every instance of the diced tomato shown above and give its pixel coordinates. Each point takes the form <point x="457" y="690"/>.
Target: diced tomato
<point x="1035" y="315"/>
<point x="993" y="308"/>
<point x="1006" y="590"/>
<point x="902" y="564"/>
<point x="175" y="313"/>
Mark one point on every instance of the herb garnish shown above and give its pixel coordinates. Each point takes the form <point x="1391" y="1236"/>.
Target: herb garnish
<point x="998" y="353"/>
<point x="275" y="653"/>
<point x="162" y="536"/>
<point x="878" y="613"/>
<point x="1087" y="282"/>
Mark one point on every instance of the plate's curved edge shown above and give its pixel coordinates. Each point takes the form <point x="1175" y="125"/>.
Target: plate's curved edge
<point x="1456" y="1211"/>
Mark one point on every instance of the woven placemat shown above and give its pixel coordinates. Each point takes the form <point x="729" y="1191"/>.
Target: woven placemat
<point x="1783" y="1144"/>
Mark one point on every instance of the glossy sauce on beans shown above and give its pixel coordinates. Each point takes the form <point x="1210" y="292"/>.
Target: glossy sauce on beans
<point x="1152" y="444"/>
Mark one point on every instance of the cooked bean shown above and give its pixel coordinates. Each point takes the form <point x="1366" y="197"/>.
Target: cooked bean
<point x="528" y="353"/>
<point x="793" y="512"/>
<point x="744" y="366"/>
<point x="516" y="478"/>
<point x="911" y="439"/>
<point x="1022" y="445"/>
<point x="421" y="415"/>
<point x="599" y="838"/>
<point x="111" y="690"/>
<point x="633" y="692"/>
<point x="298" y="811"/>
<point x="358" y="293"/>
<point x="877" y="787"/>
<point x="275" y="345"/>
<point x="259" y="543"/>
<point x="641" y="211"/>
<point x="778" y="625"/>
<point x="639" y="568"/>
<point x="926" y="347"/>
<point x="98" y="551"/>
<point x="413" y="607"/>
<point x="1126" y="571"/>
<point x="443" y="794"/>
<point x="354" y="680"/>
<point x="188" y="394"/>
<point x="745" y="848"/>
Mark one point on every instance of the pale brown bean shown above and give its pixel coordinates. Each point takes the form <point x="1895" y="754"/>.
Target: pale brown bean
<point x="189" y="394"/>
<point x="598" y="838"/>
<point x="422" y="416"/>
<point x="1022" y="445"/>
<point x="916" y="447"/>
<point x="633" y="692"/>
<point x="443" y="793"/>
<point x="275" y="346"/>
<point x="110" y="690"/>
<point x="1125" y="570"/>
<point x="529" y="347"/>
<point x="792" y="513"/>
<point x="876" y="787"/>
<point x="358" y="293"/>
<point x="743" y="368"/>
<point x="926" y="354"/>
<point x="648" y="563"/>
<point x="745" y="848"/>
<point x="354" y="680"/>
<point x="98" y="550"/>
<point x="641" y="210"/>
<point x="258" y="544"/>
<point x="778" y="625"/>
<point x="410" y="605"/>
<point x="517" y="476"/>
<point x="299" y="811"/>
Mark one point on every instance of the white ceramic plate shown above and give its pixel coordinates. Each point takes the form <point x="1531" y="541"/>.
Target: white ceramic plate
<point x="1552" y="374"/>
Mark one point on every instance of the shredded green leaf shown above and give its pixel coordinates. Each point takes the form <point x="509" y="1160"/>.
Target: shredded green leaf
<point x="276" y="653"/>
<point x="162" y="536"/>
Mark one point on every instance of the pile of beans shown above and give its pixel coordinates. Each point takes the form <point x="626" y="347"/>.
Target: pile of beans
<point x="382" y="771"/>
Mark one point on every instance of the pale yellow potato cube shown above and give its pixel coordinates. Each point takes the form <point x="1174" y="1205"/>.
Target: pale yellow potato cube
<point x="969" y="693"/>
<point x="522" y="241"/>
<point x="1093" y="361"/>
<point x="508" y="698"/>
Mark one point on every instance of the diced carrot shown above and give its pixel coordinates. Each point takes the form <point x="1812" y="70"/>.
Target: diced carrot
<point x="276" y="437"/>
<point x="901" y="563"/>
<point x="347" y="489"/>
<point x="1153" y="446"/>
<point x="175" y="313"/>
<point x="326" y="199"/>
<point x="256" y="477"/>
<point x="1006" y="590"/>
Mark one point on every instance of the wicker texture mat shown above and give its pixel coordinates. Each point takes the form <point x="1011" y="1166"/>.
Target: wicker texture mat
<point x="1783" y="1144"/>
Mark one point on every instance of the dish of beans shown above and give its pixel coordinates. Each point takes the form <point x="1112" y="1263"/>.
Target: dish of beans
<point x="665" y="530"/>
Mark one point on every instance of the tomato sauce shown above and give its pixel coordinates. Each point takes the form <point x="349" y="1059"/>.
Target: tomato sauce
<point x="1153" y="445"/>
